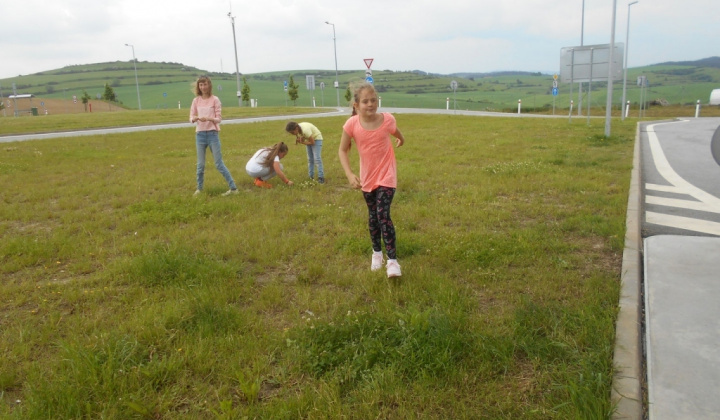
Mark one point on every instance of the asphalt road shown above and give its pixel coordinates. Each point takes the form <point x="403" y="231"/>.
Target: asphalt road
<point x="680" y="215"/>
<point x="680" y="178"/>
<point x="332" y="112"/>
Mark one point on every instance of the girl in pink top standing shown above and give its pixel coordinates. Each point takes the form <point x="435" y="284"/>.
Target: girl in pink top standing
<point x="378" y="170"/>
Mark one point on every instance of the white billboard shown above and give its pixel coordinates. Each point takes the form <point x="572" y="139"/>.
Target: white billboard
<point x="590" y="63"/>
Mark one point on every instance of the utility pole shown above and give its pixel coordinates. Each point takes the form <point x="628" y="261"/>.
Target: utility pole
<point x="627" y="41"/>
<point x="337" y="83"/>
<point x="237" y="66"/>
<point x="137" y="86"/>
<point x="608" y="103"/>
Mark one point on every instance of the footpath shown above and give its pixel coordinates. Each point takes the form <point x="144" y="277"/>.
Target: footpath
<point x="668" y="327"/>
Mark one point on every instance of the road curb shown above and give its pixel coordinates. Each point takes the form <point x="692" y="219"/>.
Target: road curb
<point x="626" y="394"/>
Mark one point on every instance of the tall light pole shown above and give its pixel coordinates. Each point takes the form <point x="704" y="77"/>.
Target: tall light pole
<point x="137" y="86"/>
<point x="237" y="66"/>
<point x="627" y="40"/>
<point x="582" y="40"/>
<point x="337" y="84"/>
<point x="608" y="103"/>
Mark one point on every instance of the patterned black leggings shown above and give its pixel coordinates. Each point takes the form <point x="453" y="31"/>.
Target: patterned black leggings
<point x="379" y="222"/>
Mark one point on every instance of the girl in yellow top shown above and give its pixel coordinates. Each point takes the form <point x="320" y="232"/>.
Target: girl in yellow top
<point x="309" y="135"/>
<point x="378" y="170"/>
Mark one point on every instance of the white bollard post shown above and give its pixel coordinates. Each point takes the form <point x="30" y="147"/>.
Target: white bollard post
<point x="627" y="109"/>
<point x="697" y="109"/>
<point x="178" y="104"/>
<point x="447" y="103"/>
<point x="313" y="102"/>
<point x="519" y="105"/>
<point x="379" y="101"/>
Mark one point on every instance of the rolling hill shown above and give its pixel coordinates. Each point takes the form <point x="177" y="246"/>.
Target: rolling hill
<point x="168" y="85"/>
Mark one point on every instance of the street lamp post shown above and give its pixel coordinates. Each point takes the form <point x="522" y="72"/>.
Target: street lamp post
<point x="337" y="84"/>
<point x="237" y="66"/>
<point x="627" y="40"/>
<point x="582" y="42"/>
<point x="608" y="103"/>
<point x="137" y="86"/>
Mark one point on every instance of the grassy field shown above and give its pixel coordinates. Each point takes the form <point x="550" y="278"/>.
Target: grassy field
<point x="165" y="85"/>
<point x="125" y="297"/>
<point x="86" y="120"/>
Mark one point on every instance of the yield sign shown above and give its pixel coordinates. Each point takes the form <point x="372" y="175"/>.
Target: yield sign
<point x="368" y="62"/>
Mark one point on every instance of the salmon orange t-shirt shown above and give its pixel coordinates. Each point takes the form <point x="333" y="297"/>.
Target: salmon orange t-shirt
<point x="377" y="156"/>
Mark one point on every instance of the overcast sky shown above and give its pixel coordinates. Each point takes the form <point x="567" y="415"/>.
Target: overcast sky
<point x="277" y="35"/>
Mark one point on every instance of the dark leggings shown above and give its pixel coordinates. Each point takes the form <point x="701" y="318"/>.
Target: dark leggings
<point x="379" y="222"/>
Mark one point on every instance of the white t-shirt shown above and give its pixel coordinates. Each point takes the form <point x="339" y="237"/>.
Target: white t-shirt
<point x="254" y="165"/>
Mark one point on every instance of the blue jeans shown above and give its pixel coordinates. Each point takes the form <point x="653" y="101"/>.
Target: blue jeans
<point x="211" y="139"/>
<point x="314" y="154"/>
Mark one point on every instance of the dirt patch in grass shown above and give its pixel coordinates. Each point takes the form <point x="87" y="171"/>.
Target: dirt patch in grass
<point x="61" y="106"/>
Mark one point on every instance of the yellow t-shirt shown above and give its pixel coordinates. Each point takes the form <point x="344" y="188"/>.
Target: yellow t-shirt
<point x="309" y="130"/>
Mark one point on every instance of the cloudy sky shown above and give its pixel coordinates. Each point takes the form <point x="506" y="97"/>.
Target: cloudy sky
<point x="278" y="35"/>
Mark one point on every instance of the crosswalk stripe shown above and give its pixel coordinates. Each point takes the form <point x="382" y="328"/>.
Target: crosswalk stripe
<point x="680" y="222"/>
<point x="682" y="204"/>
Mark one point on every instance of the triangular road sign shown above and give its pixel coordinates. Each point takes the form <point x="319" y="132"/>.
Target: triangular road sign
<point x="368" y="62"/>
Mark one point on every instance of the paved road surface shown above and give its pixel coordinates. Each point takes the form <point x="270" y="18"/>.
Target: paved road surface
<point x="681" y="242"/>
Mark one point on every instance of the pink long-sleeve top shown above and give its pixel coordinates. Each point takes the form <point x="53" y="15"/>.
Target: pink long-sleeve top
<point x="208" y="108"/>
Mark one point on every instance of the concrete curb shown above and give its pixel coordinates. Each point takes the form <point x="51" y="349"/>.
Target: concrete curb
<point x="626" y="394"/>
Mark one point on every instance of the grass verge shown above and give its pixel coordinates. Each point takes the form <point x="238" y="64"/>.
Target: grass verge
<point x="125" y="297"/>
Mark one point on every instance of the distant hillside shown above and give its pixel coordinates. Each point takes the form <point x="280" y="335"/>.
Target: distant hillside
<point x="474" y="75"/>
<point x="705" y="62"/>
<point x="167" y="84"/>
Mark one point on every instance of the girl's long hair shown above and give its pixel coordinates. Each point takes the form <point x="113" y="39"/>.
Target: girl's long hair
<point x="196" y="88"/>
<point x="275" y="150"/>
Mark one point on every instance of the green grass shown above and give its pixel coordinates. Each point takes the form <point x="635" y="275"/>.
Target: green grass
<point x="124" y="297"/>
<point x="163" y="85"/>
<point x="84" y="121"/>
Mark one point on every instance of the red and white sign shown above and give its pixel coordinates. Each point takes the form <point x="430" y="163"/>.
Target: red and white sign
<point x="368" y="62"/>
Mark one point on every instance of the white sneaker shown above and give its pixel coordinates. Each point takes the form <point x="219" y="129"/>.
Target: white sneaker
<point x="393" y="269"/>
<point x="230" y="192"/>
<point x="377" y="260"/>
<point x="197" y="192"/>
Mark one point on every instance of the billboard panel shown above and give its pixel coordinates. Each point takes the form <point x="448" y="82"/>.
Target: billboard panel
<point x="581" y="64"/>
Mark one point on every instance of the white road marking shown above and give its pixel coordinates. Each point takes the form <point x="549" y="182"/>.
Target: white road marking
<point x="680" y="203"/>
<point x="705" y="202"/>
<point x="680" y="222"/>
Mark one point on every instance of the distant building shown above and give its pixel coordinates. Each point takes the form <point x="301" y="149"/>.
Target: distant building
<point x="18" y="108"/>
<point x="715" y="97"/>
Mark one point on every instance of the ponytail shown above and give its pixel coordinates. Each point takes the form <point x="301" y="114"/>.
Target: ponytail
<point x="275" y="150"/>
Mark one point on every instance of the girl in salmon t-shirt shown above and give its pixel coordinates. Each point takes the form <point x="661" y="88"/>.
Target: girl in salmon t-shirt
<point x="378" y="170"/>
